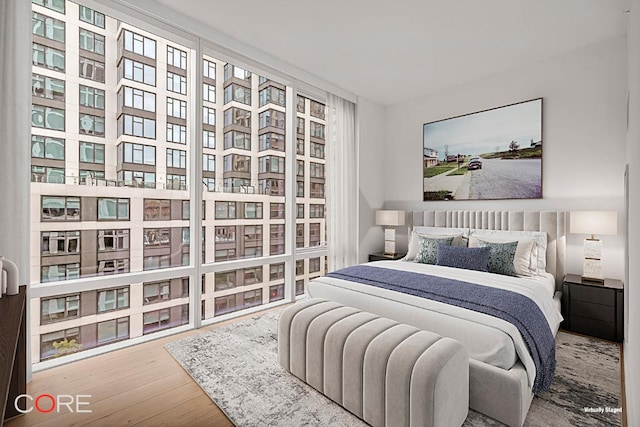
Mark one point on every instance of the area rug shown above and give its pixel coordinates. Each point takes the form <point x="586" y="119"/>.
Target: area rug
<point x="237" y="367"/>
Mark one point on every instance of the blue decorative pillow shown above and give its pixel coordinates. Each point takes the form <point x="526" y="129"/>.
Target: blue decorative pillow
<point x="461" y="257"/>
<point x="428" y="248"/>
<point x="501" y="258"/>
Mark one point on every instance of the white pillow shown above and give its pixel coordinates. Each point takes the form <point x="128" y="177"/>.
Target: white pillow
<point x="459" y="238"/>
<point x="539" y="236"/>
<point x="525" y="260"/>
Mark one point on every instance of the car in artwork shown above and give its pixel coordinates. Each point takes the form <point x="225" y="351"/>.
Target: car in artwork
<point x="474" y="163"/>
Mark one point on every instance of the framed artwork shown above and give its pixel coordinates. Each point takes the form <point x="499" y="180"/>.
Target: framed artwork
<point x="488" y="155"/>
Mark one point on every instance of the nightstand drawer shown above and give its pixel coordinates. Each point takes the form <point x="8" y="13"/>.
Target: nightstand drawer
<point x="589" y="310"/>
<point x="603" y="296"/>
<point x="593" y="328"/>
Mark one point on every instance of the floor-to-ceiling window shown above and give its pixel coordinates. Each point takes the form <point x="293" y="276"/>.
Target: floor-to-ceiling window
<point x="170" y="187"/>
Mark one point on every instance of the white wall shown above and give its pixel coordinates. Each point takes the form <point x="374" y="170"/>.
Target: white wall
<point x="584" y="134"/>
<point x="371" y="179"/>
<point x="632" y="292"/>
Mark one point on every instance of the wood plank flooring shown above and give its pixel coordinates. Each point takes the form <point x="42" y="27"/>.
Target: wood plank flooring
<point x="137" y="386"/>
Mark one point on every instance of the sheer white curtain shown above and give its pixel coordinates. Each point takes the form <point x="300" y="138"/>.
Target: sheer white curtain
<point x="342" y="189"/>
<point x="15" y="130"/>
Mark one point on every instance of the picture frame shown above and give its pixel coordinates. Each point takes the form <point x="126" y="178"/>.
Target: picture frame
<point x="492" y="154"/>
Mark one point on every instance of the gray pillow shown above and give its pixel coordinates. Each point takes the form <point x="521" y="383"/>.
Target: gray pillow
<point x="501" y="258"/>
<point x="428" y="248"/>
<point x="467" y="258"/>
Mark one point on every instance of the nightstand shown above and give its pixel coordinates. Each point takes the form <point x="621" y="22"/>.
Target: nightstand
<point x="382" y="257"/>
<point x="594" y="309"/>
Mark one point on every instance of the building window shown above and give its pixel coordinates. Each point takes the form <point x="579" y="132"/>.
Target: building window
<point x="60" y="343"/>
<point x="226" y="304"/>
<point x="300" y="126"/>
<point x="155" y="262"/>
<point x="91" y="42"/>
<point x="253" y="210"/>
<point x="157" y="237"/>
<point x="54" y="273"/>
<point x="237" y="116"/>
<point x="225" y="280"/>
<point x="314" y="234"/>
<point x="276" y="210"/>
<point x="137" y="98"/>
<point x="272" y="95"/>
<point x="176" y="158"/>
<point x="139" y="44"/>
<point x="317" y="190"/>
<point x="209" y="69"/>
<point x="176" y="108"/>
<point x="47" y="87"/>
<point x="113" y="240"/>
<point x="91" y="125"/>
<point x="316" y="211"/>
<point x="186" y="209"/>
<point x="272" y="141"/>
<point x="317" y="150"/>
<point x="299" y="267"/>
<point x="232" y="71"/>
<point x="252" y="298"/>
<point x="113" y="209"/>
<point x="157" y="209"/>
<point x="314" y="265"/>
<point x="60" y="208"/>
<point x="90" y="177"/>
<point x="235" y="139"/>
<point x="176" y="83"/>
<point x="317" y="170"/>
<point x="177" y="133"/>
<point x="299" y="287"/>
<point x="300" y="210"/>
<point x="276" y="293"/>
<point x="252" y="234"/>
<point x="156" y="320"/>
<point x="300" y="146"/>
<point x="136" y="126"/>
<point x="272" y="187"/>
<point x="91" y="69"/>
<point x="48" y="57"/>
<point x="176" y="57"/>
<point x="226" y="234"/>
<point x="209" y="183"/>
<point x="299" y="235"/>
<point x="137" y="179"/>
<point x="114" y="266"/>
<point x="137" y="71"/>
<point x="300" y="103"/>
<point x="276" y="271"/>
<point x="272" y="164"/>
<point x="317" y="110"/>
<point x="225" y="210"/>
<point x="271" y="118"/>
<point x="252" y="275"/>
<point x="208" y="139"/>
<point x="208" y="162"/>
<point x="47" y="117"/>
<point x="156" y="292"/>
<point x="113" y="330"/>
<point x="47" y="174"/>
<point x="91" y="16"/>
<point x="208" y="92"/>
<point x="47" y="148"/>
<point x="237" y="93"/>
<point x="176" y="182"/>
<point x="137" y="154"/>
<point x="59" y="308"/>
<point x="60" y="242"/>
<point x="225" y="254"/>
<point x="299" y="167"/>
<point x="57" y="5"/>
<point x="237" y="163"/>
<point x="300" y="188"/>
<point x="113" y="299"/>
<point x="317" y="130"/>
<point x="91" y="152"/>
<point x="209" y="116"/>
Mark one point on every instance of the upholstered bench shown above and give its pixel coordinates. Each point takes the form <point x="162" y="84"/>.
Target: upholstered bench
<point x="387" y="373"/>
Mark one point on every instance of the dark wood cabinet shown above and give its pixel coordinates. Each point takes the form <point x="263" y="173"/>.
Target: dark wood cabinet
<point x="382" y="257"/>
<point x="594" y="309"/>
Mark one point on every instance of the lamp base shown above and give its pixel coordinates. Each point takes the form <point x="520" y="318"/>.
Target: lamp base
<point x="390" y="242"/>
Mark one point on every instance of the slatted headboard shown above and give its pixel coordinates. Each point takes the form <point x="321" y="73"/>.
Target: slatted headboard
<point x="551" y="222"/>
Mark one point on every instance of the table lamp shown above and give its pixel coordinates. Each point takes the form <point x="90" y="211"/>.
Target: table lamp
<point x="390" y="219"/>
<point x="593" y="222"/>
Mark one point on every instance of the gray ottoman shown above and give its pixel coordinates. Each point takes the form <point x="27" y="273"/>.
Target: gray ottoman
<point x="387" y="373"/>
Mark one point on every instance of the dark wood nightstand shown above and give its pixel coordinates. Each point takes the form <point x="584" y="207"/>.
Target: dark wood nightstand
<point x="382" y="257"/>
<point x="594" y="309"/>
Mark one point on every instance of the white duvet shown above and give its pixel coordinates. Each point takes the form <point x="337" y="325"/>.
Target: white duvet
<point x="488" y="339"/>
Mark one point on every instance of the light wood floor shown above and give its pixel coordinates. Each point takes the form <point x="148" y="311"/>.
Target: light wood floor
<point x="141" y="385"/>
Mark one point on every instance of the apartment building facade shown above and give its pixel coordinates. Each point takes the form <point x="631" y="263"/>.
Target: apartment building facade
<point x="113" y="141"/>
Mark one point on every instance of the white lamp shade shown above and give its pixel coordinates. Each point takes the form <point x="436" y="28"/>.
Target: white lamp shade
<point x="390" y="218"/>
<point x="594" y="222"/>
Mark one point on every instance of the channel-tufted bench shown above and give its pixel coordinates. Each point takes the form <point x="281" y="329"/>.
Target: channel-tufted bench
<point x="387" y="373"/>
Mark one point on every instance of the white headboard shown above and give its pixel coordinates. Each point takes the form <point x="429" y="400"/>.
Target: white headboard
<point x="551" y="222"/>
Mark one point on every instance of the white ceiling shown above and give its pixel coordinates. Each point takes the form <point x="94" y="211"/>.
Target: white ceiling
<point x="393" y="51"/>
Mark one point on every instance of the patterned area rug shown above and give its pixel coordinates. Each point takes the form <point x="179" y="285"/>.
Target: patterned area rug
<point x="237" y="367"/>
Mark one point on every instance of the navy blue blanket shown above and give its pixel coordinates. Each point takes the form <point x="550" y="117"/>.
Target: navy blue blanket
<point x="513" y="307"/>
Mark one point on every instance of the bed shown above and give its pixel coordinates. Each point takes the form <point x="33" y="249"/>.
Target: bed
<point x="501" y="370"/>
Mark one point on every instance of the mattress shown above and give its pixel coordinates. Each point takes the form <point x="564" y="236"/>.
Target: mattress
<point x="488" y="339"/>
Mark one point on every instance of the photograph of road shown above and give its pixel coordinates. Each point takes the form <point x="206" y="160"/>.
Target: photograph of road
<point x="488" y="155"/>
